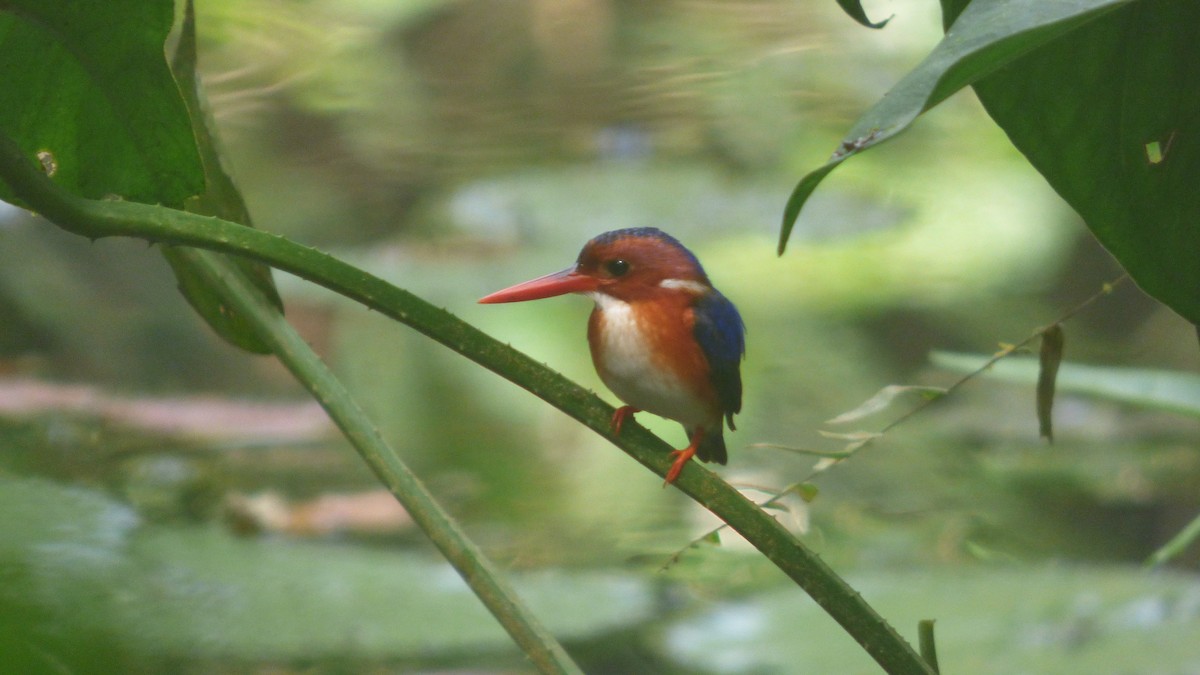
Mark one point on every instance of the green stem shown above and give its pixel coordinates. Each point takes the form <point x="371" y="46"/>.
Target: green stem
<point x="1177" y="545"/>
<point x="96" y="219"/>
<point x="298" y="357"/>
<point x="927" y="645"/>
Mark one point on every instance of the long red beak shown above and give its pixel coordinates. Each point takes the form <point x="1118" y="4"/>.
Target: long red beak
<point x="559" y="283"/>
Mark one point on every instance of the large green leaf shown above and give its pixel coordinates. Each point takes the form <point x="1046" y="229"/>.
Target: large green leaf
<point x="1110" y="115"/>
<point x="87" y="85"/>
<point x="87" y="90"/>
<point x="986" y="36"/>
<point x="1100" y="96"/>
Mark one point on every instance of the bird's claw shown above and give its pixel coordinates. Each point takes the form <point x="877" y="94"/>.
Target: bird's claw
<point x="682" y="457"/>
<point x="619" y="417"/>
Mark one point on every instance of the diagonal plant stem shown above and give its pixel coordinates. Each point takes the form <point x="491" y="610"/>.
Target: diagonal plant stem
<point x="1178" y="544"/>
<point x="268" y="323"/>
<point x="1007" y="351"/>
<point x="96" y="219"/>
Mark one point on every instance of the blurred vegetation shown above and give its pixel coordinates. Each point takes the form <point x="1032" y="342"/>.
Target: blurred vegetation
<point x="455" y="147"/>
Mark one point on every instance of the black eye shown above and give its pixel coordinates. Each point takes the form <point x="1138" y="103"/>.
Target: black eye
<point x="617" y="267"/>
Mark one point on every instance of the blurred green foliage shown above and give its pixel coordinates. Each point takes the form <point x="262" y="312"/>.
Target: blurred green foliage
<point x="457" y="147"/>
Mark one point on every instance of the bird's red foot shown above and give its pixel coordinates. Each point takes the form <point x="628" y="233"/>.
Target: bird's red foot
<point x="681" y="457"/>
<point x="619" y="417"/>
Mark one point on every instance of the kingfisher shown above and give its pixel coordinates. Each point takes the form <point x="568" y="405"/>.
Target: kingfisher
<point x="662" y="338"/>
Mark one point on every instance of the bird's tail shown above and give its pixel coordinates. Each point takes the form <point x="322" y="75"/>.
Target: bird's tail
<point x="712" y="447"/>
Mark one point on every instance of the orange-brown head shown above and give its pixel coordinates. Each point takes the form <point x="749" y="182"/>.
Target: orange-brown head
<point x="628" y="265"/>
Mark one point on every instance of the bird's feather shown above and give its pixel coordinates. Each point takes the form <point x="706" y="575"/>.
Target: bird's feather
<point x="721" y="334"/>
<point x="712" y="447"/>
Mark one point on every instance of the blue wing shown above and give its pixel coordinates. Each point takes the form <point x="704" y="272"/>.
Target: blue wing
<point x="722" y="337"/>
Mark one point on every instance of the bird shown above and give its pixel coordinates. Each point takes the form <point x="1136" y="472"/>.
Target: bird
<point x="662" y="338"/>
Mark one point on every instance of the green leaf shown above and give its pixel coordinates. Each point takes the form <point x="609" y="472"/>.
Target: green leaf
<point x="86" y="86"/>
<point x="988" y="35"/>
<point x="860" y="437"/>
<point x="855" y="10"/>
<point x="807" y="491"/>
<point x="1108" y="114"/>
<point x="815" y="452"/>
<point x="884" y="398"/>
<point x="88" y="91"/>
<point x="1049" y="360"/>
<point x="220" y="198"/>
